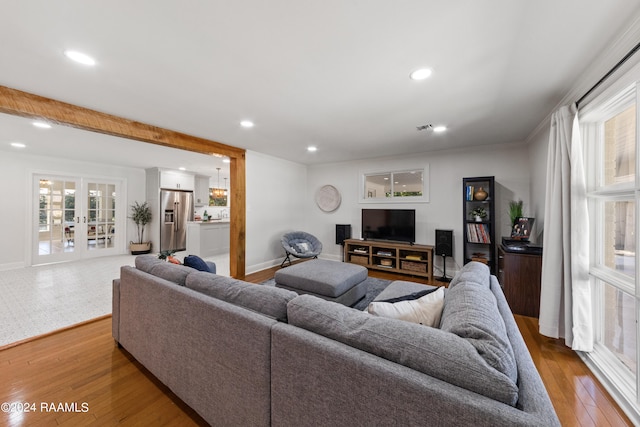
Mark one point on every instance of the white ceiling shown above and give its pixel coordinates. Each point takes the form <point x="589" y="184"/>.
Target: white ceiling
<point x="332" y="73"/>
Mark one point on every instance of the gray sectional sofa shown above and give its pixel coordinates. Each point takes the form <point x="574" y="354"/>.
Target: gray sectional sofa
<point x="242" y="354"/>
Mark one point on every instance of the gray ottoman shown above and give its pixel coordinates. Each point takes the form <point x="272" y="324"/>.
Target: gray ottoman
<point x="331" y="280"/>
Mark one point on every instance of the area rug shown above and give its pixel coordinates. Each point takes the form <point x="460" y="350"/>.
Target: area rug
<point x="374" y="287"/>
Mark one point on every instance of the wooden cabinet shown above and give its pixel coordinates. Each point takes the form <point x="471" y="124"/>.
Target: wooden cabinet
<point x="519" y="274"/>
<point x="404" y="258"/>
<point x="478" y="197"/>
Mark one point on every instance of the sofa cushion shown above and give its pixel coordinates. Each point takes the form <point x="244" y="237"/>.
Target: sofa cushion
<point x="166" y="270"/>
<point x="474" y="271"/>
<point x="425" y="310"/>
<point x="471" y="312"/>
<point x="267" y="300"/>
<point x="434" y="352"/>
<point x="196" y="262"/>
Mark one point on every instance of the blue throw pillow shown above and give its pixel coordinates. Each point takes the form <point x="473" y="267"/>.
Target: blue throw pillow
<point x="196" y="262"/>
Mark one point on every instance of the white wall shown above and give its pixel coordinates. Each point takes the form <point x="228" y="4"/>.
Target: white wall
<point x="16" y="178"/>
<point x="538" y="147"/>
<point x="508" y="163"/>
<point x="276" y="204"/>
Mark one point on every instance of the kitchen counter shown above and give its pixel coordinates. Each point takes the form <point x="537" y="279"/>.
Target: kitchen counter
<point x="208" y="238"/>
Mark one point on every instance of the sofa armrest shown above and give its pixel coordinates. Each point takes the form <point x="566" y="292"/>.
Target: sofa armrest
<point x="115" y="310"/>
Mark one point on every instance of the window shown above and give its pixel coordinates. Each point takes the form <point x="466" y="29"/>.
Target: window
<point x="608" y="127"/>
<point x="397" y="186"/>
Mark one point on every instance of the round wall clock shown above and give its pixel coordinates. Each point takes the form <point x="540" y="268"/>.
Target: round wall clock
<point x="328" y="198"/>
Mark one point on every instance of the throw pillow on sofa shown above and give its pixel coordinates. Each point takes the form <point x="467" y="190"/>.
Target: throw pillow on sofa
<point x="425" y="310"/>
<point x="196" y="262"/>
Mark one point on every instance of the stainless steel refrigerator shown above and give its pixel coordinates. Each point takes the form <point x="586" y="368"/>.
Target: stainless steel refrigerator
<point x="176" y="208"/>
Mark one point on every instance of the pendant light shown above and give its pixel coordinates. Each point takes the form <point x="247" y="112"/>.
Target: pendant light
<point x="225" y="187"/>
<point x="218" y="191"/>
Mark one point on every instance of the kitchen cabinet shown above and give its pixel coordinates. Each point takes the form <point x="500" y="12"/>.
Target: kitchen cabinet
<point x="175" y="180"/>
<point x="201" y="193"/>
<point x="208" y="238"/>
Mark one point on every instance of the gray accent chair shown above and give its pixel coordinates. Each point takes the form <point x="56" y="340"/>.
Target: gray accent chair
<point x="300" y="244"/>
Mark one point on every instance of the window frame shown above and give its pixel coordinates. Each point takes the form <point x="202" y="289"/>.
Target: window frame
<point x="610" y="103"/>
<point x="424" y="198"/>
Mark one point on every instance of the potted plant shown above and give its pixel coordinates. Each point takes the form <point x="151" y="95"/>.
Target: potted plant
<point x="141" y="215"/>
<point x="515" y="211"/>
<point x="479" y="213"/>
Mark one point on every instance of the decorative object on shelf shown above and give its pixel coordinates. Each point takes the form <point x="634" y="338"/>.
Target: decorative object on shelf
<point x="515" y="211"/>
<point x="522" y="228"/>
<point x="480" y="257"/>
<point x="479" y="213"/>
<point x="480" y="194"/>
<point x="328" y="198"/>
<point x="141" y="216"/>
<point x="386" y="263"/>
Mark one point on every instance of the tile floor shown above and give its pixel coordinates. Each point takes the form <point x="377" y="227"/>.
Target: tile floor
<point x="40" y="299"/>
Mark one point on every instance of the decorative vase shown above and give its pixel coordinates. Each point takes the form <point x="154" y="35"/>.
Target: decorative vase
<point x="478" y="218"/>
<point x="480" y="194"/>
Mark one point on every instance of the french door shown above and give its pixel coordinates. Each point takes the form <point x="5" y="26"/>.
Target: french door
<point x="75" y="218"/>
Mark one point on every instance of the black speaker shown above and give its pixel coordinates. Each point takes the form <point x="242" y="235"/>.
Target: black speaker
<point x="343" y="232"/>
<point x="444" y="243"/>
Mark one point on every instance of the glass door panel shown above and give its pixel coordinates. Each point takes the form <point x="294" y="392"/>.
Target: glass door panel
<point x="74" y="218"/>
<point x="101" y="216"/>
<point x="56" y="219"/>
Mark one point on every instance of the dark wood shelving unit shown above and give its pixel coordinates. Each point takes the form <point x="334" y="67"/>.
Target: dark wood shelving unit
<point x="479" y="242"/>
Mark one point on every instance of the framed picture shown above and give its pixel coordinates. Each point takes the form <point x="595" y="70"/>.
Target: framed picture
<point x="522" y="228"/>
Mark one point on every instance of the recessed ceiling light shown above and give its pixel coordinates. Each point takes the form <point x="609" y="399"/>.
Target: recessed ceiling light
<point x="79" y="57"/>
<point x="226" y="160"/>
<point x="246" y="124"/>
<point x="42" y="125"/>
<point x="182" y="168"/>
<point x="312" y="148"/>
<point x="420" y="74"/>
<point x="18" y="145"/>
<point x="439" y="128"/>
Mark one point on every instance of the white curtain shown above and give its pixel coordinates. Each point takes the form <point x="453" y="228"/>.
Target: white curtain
<point x="565" y="301"/>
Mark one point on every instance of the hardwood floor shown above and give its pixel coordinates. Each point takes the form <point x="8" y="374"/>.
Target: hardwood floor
<point x="101" y="384"/>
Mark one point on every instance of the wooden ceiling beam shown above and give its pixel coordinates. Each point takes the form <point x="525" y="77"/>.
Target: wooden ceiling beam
<point x="18" y="103"/>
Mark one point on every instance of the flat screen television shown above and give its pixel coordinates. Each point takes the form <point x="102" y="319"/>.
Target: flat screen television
<point x="389" y="224"/>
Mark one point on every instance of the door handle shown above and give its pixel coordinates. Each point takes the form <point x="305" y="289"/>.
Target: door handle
<point x="176" y="206"/>
<point x="84" y="219"/>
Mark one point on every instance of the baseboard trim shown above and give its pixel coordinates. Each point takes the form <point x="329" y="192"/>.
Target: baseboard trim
<point x="12" y="266"/>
